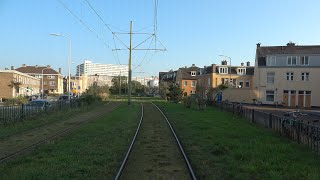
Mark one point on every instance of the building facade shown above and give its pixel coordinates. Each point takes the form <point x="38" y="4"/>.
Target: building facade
<point x="14" y="83"/>
<point x="288" y="75"/>
<point x="52" y="80"/>
<point x="91" y="69"/>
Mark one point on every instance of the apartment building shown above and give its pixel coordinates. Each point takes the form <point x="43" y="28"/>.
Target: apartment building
<point x="165" y="80"/>
<point x="239" y="80"/>
<point x="288" y="75"/>
<point x="52" y="80"/>
<point x="14" y="83"/>
<point x="187" y="79"/>
<point x="90" y="68"/>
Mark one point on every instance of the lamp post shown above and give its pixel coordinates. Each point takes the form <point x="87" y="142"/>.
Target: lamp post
<point x="69" y="59"/>
<point x="229" y="65"/>
<point x="42" y="82"/>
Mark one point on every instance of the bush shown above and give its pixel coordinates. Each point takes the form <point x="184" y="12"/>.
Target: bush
<point x="16" y="101"/>
<point x="187" y="101"/>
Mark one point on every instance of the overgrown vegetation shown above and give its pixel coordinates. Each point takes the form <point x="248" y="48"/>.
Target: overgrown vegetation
<point x="94" y="151"/>
<point x="221" y="146"/>
<point x="174" y="94"/>
<point x="16" y="101"/>
<point x="96" y="93"/>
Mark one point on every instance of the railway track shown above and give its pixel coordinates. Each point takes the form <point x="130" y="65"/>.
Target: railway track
<point x="100" y="113"/>
<point x="155" y="151"/>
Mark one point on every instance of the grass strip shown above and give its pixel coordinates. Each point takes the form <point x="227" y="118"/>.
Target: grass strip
<point x="42" y="120"/>
<point x="221" y="146"/>
<point x="94" y="151"/>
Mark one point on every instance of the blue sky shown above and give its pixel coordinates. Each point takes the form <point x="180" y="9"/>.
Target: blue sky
<point x="194" y="32"/>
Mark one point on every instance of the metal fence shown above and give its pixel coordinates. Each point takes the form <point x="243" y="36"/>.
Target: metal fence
<point x="296" y="130"/>
<point x="13" y="114"/>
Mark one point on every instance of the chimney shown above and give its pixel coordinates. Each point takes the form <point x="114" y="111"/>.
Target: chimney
<point x="258" y="45"/>
<point x="36" y="66"/>
<point x="59" y="70"/>
<point x="248" y="63"/>
<point x="24" y="65"/>
<point x="224" y="62"/>
<point x="48" y="66"/>
<point x="242" y="64"/>
<point x="193" y="65"/>
<point x="12" y="67"/>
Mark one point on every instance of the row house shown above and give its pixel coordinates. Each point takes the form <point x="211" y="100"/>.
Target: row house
<point x="14" y="83"/>
<point x="288" y="75"/>
<point x="52" y="80"/>
<point x="239" y="80"/>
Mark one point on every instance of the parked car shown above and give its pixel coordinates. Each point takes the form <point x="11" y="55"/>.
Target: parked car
<point x="64" y="98"/>
<point x="39" y="104"/>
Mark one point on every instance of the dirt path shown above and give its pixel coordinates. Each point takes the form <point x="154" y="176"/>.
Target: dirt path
<point x="155" y="155"/>
<point x="20" y="141"/>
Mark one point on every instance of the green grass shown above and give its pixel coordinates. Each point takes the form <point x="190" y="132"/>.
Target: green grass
<point x="221" y="146"/>
<point x="43" y="119"/>
<point x="94" y="151"/>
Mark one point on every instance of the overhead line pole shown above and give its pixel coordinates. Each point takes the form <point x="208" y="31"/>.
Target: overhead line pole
<point x="130" y="64"/>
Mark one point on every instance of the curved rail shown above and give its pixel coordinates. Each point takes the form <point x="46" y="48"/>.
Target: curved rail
<point x="192" y="174"/>
<point x="47" y="139"/>
<point x="130" y="147"/>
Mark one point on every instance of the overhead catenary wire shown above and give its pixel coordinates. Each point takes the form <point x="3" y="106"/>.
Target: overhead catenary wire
<point x="83" y="23"/>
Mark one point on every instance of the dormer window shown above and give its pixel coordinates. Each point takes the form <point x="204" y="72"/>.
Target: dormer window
<point x="241" y="71"/>
<point x="193" y="73"/>
<point x="223" y="70"/>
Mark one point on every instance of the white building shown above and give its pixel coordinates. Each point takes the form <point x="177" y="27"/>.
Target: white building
<point x="90" y="68"/>
<point x="154" y="82"/>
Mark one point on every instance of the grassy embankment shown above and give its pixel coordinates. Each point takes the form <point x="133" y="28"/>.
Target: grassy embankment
<point x="94" y="151"/>
<point x="221" y="146"/>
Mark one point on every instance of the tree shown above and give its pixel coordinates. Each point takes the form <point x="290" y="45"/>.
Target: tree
<point x="175" y="93"/>
<point x="117" y="84"/>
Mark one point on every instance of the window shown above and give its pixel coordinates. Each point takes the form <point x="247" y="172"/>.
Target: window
<point x="223" y="70"/>
<point x="305" y="76"/>
<point x="193" y="73"/>
<point x="292" y="60"/>
<point x="51" y="77"/>
<point x="185" y="83"/>
<point x="270" y="96"/>
<point x="247" y="84"/>
<point x="52" y="83"/>
<point x="290" y="76"/>
<point x="193" y="84"/>
<point x="209" y="82"/>
<point x="271" y="61"/>
<point x="304" y="60"/>
<point x="192" y="92"/>
<point x="240" y="84"/>
<point x="44" y="82"/>
<point x="270" y="77"/>
<point x="241" y="70"/>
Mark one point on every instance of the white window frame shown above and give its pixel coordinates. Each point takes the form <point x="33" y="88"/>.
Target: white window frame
<point x="271" y="61"/>
<point x="241" y="82"/>
<point x="305" y="76"/>
<point x="269" y="93"/>
<point x="192" y="92"/>
<point x="303" y="60"/>
<point x="193" y="84"/>
<point x="185" y="83"/>
<point x="290" y="76"/>
<point x="52" y="83"/>
<point x="50" y="77"/>
<point x="193" y="73"/>
<point x="223" y="70"/>
<point x="271" y="77"/>
<point x="290" y="60"/>
<point x="241" y="71"/>
<point x="248" y="84"/>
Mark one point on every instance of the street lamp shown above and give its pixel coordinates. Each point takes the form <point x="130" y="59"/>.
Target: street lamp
<point x="229" y="65"/>
<point x="69" y="59"/>
<point x="42" y="82"/>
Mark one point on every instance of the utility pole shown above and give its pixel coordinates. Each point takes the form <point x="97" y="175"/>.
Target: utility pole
<point x="130" y="64"/>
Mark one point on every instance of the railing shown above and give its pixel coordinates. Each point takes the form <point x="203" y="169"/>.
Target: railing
<point x="13" y="114"/>
<point x="296" y="130"/>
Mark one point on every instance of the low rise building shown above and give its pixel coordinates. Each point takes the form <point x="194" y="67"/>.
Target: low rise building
<point x="14" y="83"/>
<point x="288" y="75"/>
<point x="52" y="80"/>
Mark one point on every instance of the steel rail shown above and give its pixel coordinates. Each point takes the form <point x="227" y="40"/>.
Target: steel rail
<point x="49" y="138"/>
<point x="130" y="147"/>
<point x="192" y="174"/>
